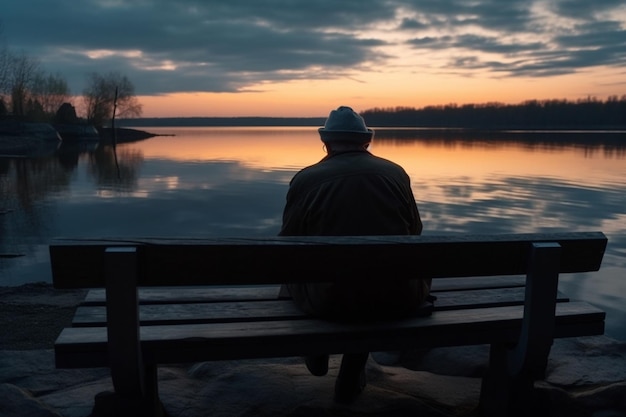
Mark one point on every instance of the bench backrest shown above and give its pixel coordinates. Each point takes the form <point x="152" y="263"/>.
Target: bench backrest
<point x="271" y="260"/>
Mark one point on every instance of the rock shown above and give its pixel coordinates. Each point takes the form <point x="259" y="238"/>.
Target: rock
<point x="123" y="135"/>
<point x="19" y="139"/>
<point x="587" y="361"/>
<point x="598" y="401"/>
<point x="283" y="386"/>
<point x="41" y="131"/>
<point x="468" y="361"/>
<point x="17" y="402"/>
<point x="77" y="132"/>
<point x="77" y="400"/>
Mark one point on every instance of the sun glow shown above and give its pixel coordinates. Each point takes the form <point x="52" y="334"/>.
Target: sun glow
<point x="392" y="87"/>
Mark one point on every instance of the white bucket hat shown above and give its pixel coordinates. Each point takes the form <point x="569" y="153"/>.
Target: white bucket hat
<point x="345" y="125"/>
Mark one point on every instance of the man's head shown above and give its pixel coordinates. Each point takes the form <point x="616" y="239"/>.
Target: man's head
<point x="346" y="126"/>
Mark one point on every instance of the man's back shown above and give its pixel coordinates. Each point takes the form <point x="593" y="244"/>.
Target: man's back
<point x="351" y="193"/>
<point x="354" y="193"/>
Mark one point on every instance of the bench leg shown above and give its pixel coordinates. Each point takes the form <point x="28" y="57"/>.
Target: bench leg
<point x="508" y="386"/>
<point x="144" y="404"/>
<point x="134" y="376"/>
<point x="501" y="393"/>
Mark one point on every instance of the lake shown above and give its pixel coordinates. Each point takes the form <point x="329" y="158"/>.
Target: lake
<point x="203" y="181"/>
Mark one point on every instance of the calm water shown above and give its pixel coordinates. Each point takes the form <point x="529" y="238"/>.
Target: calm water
<point x="232" y="181"/>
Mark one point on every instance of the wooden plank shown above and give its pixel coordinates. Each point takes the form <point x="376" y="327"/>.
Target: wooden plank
<point x="484" y="298"/>
<point x="273" y="260"/>
<point x="168" y="295"/>
<point x="264" y="310"/>
<point x="209" y="294"/>
<point x="86" y="347"/>
<point x="159" y="314"/>
<point x="476" y="283"/>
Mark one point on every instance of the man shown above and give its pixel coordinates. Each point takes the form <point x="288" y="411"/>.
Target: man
<point x="351" y="192"/>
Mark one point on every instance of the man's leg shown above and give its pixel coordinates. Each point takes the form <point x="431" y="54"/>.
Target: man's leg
<point x="351" y="379"/>
<point x="317" y="365"/>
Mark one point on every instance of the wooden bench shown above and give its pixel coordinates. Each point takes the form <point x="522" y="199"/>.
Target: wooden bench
<point x="499" y="290"/>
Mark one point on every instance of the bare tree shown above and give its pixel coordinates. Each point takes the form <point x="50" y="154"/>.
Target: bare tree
<point x="5" y="60"/>
<point x="51" y="91"/>
<point x="99" y="98"/>
<point x="4" y="69"/>
<point x="23" y="71"/>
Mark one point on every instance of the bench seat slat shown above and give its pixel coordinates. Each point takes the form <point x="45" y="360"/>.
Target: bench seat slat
<point x="80" y="347"/>
<point x="160" y="314"/>
<point x="168" y="295"/>
<point x="213" y="312"/>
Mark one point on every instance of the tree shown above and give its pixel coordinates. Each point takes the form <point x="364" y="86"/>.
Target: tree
<point x="99" y="98"/>
<point x="50" y="92"/>
<point x="25" y="89"/>
<point x="22" y="74"/>
<point x="3" y="108"/>
<point x="4" y="67"/>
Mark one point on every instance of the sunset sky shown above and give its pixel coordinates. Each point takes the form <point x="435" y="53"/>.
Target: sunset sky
<point x="303" y="58"/>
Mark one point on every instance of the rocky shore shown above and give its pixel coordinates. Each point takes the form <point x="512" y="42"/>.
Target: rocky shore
<point x="43" y="139"/>
<point x="586" y="376"/>
<point x="123" y="135"/>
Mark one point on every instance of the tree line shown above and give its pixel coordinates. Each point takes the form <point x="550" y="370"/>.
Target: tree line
<point x="29" y="93"/>
<point x="536" y="114"/>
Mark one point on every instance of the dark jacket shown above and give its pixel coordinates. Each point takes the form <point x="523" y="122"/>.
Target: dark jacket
<point x="354" y="193"/>
<point x="351" y="193"/>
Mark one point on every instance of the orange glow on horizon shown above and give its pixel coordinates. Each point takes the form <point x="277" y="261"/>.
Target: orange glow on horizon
<point x="363" y="91"/>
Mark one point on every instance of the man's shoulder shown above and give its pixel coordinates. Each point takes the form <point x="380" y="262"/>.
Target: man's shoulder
<point x="381" y="165"/>
<point x="384" y="161"/>
<point x="347" y="165"/>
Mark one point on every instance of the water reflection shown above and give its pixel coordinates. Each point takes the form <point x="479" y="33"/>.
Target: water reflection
<point x="232" y="181"/>
<point x="522" y="205"/>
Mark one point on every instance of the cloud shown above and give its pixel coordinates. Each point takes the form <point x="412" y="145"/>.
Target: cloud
<point x="217" y="46"/>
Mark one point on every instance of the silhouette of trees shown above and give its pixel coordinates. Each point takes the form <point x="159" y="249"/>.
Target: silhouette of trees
<point x="28" y="93"/>
<point x="51" y="91"/>
<point x="4" y="67"/>
<point x="32" y="94"/>
<point x="22" y="71"/>
<point x="99" y="98"/>
<point x="534" y="114"/>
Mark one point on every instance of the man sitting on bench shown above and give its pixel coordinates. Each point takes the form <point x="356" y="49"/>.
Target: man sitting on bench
<point x="351" y="192"/>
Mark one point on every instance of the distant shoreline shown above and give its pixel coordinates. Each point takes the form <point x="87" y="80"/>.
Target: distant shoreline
<point x="319" y="121"/>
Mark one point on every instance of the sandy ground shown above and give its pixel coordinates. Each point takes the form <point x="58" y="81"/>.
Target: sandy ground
<point x="32" y="315"/>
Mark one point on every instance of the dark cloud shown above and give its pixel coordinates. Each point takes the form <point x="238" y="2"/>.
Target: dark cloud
<point x="195" y="45"/>
<point x="583" y="10"/>
<point x="489" y="44"/>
